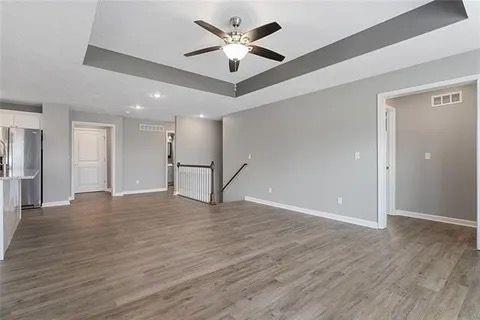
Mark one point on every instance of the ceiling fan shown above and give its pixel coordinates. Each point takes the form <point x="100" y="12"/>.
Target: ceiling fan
<point x="238" y="44"/>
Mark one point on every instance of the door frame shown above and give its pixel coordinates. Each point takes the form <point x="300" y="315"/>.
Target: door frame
<point x="166" y="159"/>
<point x="381" y="141"/>
<point x="94" y="125"/>
<point x="392" y="134"/>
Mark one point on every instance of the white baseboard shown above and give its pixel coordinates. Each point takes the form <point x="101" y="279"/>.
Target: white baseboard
<point x="108" y="190"/>
<point x="144" y="191"/>
<point x="431" y="217"/>
<point x="56" y="204"/>
<point x="332" y="216"/>
<point x="71" y="198"/>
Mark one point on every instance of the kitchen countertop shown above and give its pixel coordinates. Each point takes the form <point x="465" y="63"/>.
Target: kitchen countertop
<point x="20" y="174"/>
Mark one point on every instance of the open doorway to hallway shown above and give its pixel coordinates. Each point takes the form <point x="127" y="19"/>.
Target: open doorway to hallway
<point x="428" y="161"/>
<point x="170" y="155"/>
<point x="92" y="158"/>
<point x="431" y="155"/>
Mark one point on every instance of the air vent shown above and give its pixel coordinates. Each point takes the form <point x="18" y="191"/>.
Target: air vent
<point x="446" y="99"/>
<point x="151" y="127"/>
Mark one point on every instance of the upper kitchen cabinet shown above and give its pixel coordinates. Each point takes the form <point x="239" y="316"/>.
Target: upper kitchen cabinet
<point x="6" y="119"/>
<point x="28" y="120"/>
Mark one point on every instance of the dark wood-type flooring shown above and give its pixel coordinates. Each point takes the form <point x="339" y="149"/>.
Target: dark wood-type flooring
<point x="156" y="256"/>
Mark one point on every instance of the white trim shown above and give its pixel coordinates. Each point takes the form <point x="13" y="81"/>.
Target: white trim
<point x="113" y="155"/>
<point x="392" y="140"/>
<point x="166" y="158"/>
<point x="55" y="204"/>
<point x="332" y="216"/>
<point x="430" y="86"/>
<point x="381" y="162"/>
<point x="478" y="162"/>
<point x="71" y="198"/>
<point x="143" y="191"/>
<point x="424" y="216"/>
<point x="381" y="145"/>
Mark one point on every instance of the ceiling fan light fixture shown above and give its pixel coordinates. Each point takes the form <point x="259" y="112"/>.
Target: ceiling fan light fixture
<point x="235" y="51"/>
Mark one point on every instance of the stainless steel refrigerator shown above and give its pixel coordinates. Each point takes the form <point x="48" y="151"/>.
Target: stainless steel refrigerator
<point x="22" y="149"/>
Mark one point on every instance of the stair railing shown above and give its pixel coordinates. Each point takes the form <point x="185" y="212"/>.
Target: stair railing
<point x="234" y="176"/>
<point x="196" y="182"/>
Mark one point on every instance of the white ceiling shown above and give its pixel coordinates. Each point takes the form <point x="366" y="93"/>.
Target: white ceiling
<point x="43" y="45"/>
<point x="164" y="31"/>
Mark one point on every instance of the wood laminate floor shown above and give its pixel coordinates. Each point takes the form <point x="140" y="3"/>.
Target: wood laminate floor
<point x="156" y="256"/>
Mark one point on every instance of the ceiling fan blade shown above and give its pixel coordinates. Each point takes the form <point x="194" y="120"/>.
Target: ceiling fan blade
<point x="207" y="26"/>
<point x="262" y="31"/>
<point x="204" y="50"/>
<point x="266" y="53"/>
<point x="233" y="64"/>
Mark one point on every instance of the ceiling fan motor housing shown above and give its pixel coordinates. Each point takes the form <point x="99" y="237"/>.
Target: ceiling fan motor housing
<point x="235" y="21"/>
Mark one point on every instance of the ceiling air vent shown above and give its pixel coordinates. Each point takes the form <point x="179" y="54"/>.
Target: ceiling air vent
<point x="150" y="127"/>
<point x="446" y="99"/>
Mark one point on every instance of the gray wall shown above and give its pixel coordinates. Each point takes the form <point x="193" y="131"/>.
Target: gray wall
<point x="445" y="184"/>
<point x="304" y="147"/>
<point x="56" y="152"/>
<point x="139" y="155"/>
<point x="144" y="157"/>
<point x="199" y="141"/>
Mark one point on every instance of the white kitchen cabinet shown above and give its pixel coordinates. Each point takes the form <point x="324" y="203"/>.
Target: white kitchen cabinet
<point x="6" y="119"/>
<point x="28" y="120"/>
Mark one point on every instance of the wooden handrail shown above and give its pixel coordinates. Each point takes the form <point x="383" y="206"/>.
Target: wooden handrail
<point x="195" y="165"/>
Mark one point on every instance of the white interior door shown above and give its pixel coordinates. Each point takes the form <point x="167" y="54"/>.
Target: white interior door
<point x="390" y="159"/>
<point x="90" y="160"/>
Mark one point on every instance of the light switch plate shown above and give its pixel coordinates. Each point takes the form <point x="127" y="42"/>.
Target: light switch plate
<point x="357" y="155"/>
<point x="270" y="190"/>
<point x="249" y="156"/>
<point x="428" y="156"/>
<point x="340" y="200"/>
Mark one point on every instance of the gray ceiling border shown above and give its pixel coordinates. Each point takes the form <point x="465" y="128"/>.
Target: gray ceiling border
<point x="431" y="16"/>
<point x="122" y="63"/>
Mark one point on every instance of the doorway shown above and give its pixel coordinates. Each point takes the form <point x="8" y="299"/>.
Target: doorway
<point x="170" y="159"/>
<point x="388" y="152"/>
<point x="93" y="158"/>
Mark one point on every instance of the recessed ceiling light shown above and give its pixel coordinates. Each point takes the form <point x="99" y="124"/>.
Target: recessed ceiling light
<point x="202" y="116"/>
<point x="137" y="107"/>
<point x="156" y="95"/>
